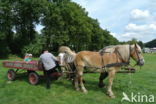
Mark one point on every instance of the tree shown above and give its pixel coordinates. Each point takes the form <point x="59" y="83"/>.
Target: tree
<point x="151" y="43"/>
<point x="27" y="13"/>
<point x="141" y="44"/>
<point x="133" y="41"/>
<point x="67" y="23"/>
<point x="35" y="47"/>
<point x="4" y="51"/>
<point x="6" y="25"/>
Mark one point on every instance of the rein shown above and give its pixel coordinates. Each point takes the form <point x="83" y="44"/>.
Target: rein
<point x="137" y="54"/>
<point x="116" y="64"/>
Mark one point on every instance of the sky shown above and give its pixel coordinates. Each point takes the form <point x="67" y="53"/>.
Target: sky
<point x="125" y="19"/>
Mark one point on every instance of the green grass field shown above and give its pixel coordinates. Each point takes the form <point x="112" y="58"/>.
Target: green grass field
<point x="62" y="91"/>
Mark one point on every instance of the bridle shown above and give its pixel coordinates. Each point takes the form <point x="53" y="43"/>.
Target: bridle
<point x="135" y="50"/>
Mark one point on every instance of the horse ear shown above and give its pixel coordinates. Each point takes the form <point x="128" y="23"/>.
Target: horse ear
<point x="136" y="45"/>
<point x="116" y="49"/>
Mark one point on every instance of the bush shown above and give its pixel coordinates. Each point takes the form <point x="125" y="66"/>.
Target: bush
<point x="33" y="48"/>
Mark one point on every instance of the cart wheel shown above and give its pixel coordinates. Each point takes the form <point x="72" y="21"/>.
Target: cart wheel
<point x="33" y="78"/>
<point x="11" y="74"/>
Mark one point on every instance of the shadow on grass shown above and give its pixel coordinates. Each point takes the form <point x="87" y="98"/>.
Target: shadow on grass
<point x="91" y="85"/>
<point x="23" y="77"/>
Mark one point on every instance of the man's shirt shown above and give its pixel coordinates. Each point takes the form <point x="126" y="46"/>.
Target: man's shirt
<point x="48" y="60"/>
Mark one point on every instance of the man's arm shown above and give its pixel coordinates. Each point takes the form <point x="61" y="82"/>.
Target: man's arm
<point x="55" y="58"/>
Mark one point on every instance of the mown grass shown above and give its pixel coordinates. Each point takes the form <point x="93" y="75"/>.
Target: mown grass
<point x="62" y="91"/>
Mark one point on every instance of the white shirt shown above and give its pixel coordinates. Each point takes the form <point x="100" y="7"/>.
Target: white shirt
<point x="48" y="60"/>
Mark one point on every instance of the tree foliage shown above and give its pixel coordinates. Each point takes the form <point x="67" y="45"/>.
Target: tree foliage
<point x="65" y="23"/>
<point x="134" y="41"/>
<point x="151" y="44"/>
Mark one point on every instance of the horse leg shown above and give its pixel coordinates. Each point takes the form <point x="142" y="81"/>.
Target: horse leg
<point x="80" y="79"/>
<point x="81" y="83"/>
<point x="103" y="75"/>
<point x="78" y="75"/>
<point x="76" y="81"/>
<point x="111" y="75"/>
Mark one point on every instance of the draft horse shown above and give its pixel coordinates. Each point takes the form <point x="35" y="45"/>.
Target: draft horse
<point x="110" y="61"/>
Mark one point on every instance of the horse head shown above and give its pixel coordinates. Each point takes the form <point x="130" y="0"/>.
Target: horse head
<point x="136" y="54"/>
<point x="68" y="55"/>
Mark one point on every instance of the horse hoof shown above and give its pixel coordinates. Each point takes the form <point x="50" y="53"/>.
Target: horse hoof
<point x="101" y="85"/>
<point x="112" y="96"/>
<point x="85" y="91"/>
<point x="84" y="81"/>
<point x="8" y="82"/>
<point x="77" y="89"/>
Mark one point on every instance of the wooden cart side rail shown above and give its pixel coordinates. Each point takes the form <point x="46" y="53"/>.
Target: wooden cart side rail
<point x="33" y="65"/>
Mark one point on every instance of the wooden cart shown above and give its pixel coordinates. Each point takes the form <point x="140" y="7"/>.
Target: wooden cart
<point x="30" y="67"/>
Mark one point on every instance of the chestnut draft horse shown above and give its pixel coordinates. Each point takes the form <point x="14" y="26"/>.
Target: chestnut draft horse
<point x="110" y="61"/>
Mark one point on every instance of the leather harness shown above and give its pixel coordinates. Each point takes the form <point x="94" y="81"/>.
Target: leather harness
<point x="123" y="63"/>
<point x="113" y="64"/>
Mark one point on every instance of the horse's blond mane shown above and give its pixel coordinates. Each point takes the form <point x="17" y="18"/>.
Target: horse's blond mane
<point x="107" y="49"/>
<point x="123" y="50"/>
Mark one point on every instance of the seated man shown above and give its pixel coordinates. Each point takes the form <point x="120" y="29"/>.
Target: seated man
<point x="49" y="63"/>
